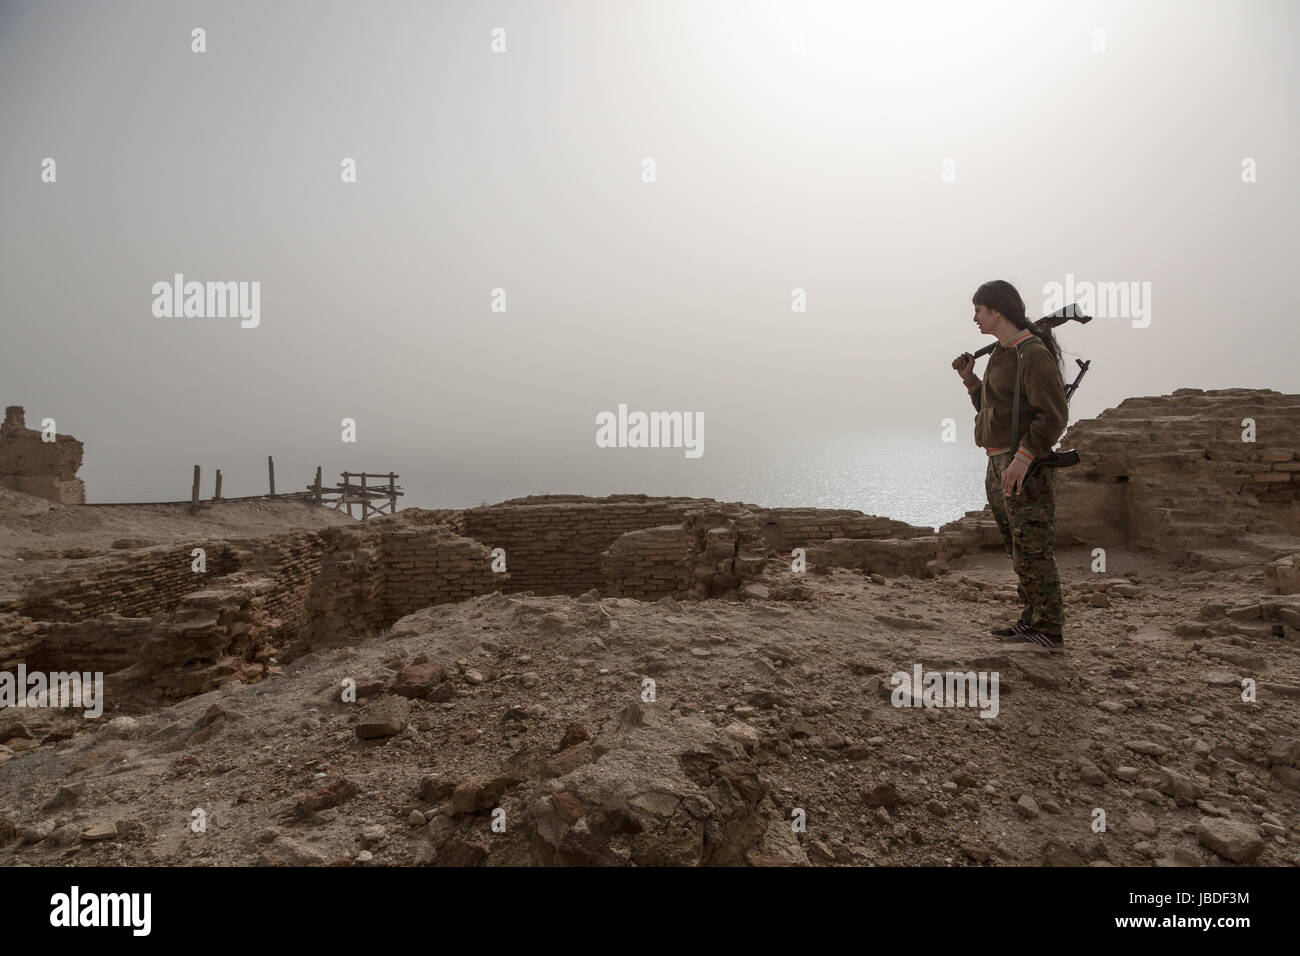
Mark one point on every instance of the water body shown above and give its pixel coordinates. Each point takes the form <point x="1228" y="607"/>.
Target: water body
<point x="920" y="482"/>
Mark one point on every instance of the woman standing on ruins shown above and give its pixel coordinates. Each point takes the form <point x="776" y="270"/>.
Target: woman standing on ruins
<point x="1014" y="433"/>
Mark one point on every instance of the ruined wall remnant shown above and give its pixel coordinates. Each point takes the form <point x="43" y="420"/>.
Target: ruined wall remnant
<point x="1172" y="473"/>
<point x="136" y="584"/>
<point x="620" y="545"/>
<point x="344" y="603"/>
<point x="973" y="531"/>
<point x="789" y="528"/>
<point x="727" y="548"/>
<point x="36" y="467"/>
<point x="554" y="543"/>
<point x="217" y="634"/>
<point x="210" y="636"/>
<point x="648" y="564"/>
<point x="290" y="561"/>
<point x="158" y="625"/>
<point x="156" y="579"/>
<point x="378" y="572"/>
<point x="891" y="557"/>
<point x="433" y="565"/>
<point x="714" y="551"/>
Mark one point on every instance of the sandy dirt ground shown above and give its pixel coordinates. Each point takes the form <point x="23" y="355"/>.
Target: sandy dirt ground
<point x="514" y="729"/>
<point x="37" y="536"/>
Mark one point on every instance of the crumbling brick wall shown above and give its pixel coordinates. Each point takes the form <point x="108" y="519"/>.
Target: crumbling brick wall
<point x="789" y="528"/>
<point x="212" y="635"/>
<point x="433" y="565"/>
<point x="891" y="557"/>
<point x="292" y="560"/>
<point x="728" y="549"/>
<point x="108" y="643"/>
<point x="555" y="544"/>
<point x="375" y="573"/>
<point x="137" y="584"/>
<point x="344" y="601"/>
<point x="1172" y="472"/>
<point x="648" y="564"/>
<point x="36" y="467"/>
<point x="155" y="580"/>
<point x="713" y="552"/>
<point x="149" y="618"/>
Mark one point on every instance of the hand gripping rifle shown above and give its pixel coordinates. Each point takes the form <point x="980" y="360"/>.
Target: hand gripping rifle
<point x="1056" y="459"/>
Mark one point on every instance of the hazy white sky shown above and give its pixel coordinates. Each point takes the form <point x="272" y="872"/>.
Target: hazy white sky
<point x="522" y="170"/>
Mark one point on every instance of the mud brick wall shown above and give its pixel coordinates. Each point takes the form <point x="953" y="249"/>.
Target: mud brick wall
<point x="789" y="528"/>
<point x="554" y="543"/>
<point x="217" y="634"/>
<point x="36" y="467"/>
<point x="649" y="564"/>
<point x="713" y="552"/>
<point x="214" y="635"/>
<point x="143" y="583"/>
<point x="155" y="580"/>
<point x="344" y="603"/>
<point x="1172" y="473"/>
<point x="107" y="644"/>
<point x="423" y="566"/>
<point x="451" y="518"/>
<point x="974" y="531"/>
<point x="891" y="557"/>
<point x="293" y="560"/>
<point x="373" y="574"/>
<point x="727" y="548"/>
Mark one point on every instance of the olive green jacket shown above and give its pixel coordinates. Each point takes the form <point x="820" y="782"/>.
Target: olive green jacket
<point x="1043" y="408"/>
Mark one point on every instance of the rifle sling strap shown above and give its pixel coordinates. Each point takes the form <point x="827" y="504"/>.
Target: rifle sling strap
<point x="1015" y="406"/>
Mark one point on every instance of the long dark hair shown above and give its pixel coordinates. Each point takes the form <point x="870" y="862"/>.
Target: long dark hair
<point x="1001" y="296"/>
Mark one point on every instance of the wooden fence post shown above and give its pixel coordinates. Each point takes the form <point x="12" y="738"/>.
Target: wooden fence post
<point x="270" y="470"/>
<point x="194" y="492"/>
<point x="392" y="493"/>
<point x="217" y="496"/>
<point x="318" y="488"/>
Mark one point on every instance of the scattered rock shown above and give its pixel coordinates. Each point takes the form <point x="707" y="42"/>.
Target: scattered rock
<point x="479" y="793"/>
<point x="1233" y="840"/>
<point x="882" y="795"/>
<point x="66" y="796"/>
<point x="336" y="792"/>
<point x="284" y="851"/>
<point x="1148" y="747"/>
<point x="1090" y="773"/>
<point x="574" y="734"/>
<point x="419" y="680"/>
<point x="1184" y="789"/>
<point x="100" y="831"/>
<point x="385" y="717"/>
<point x="1027" y="806"/>
<point x="1142" y="823"/>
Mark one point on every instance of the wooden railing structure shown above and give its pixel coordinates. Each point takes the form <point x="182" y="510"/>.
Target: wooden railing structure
<point x="361" y="492"/>
<point x="374" y="498"/>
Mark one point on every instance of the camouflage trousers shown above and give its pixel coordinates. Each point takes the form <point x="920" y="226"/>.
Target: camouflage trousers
<point x="1027" y="522"/>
